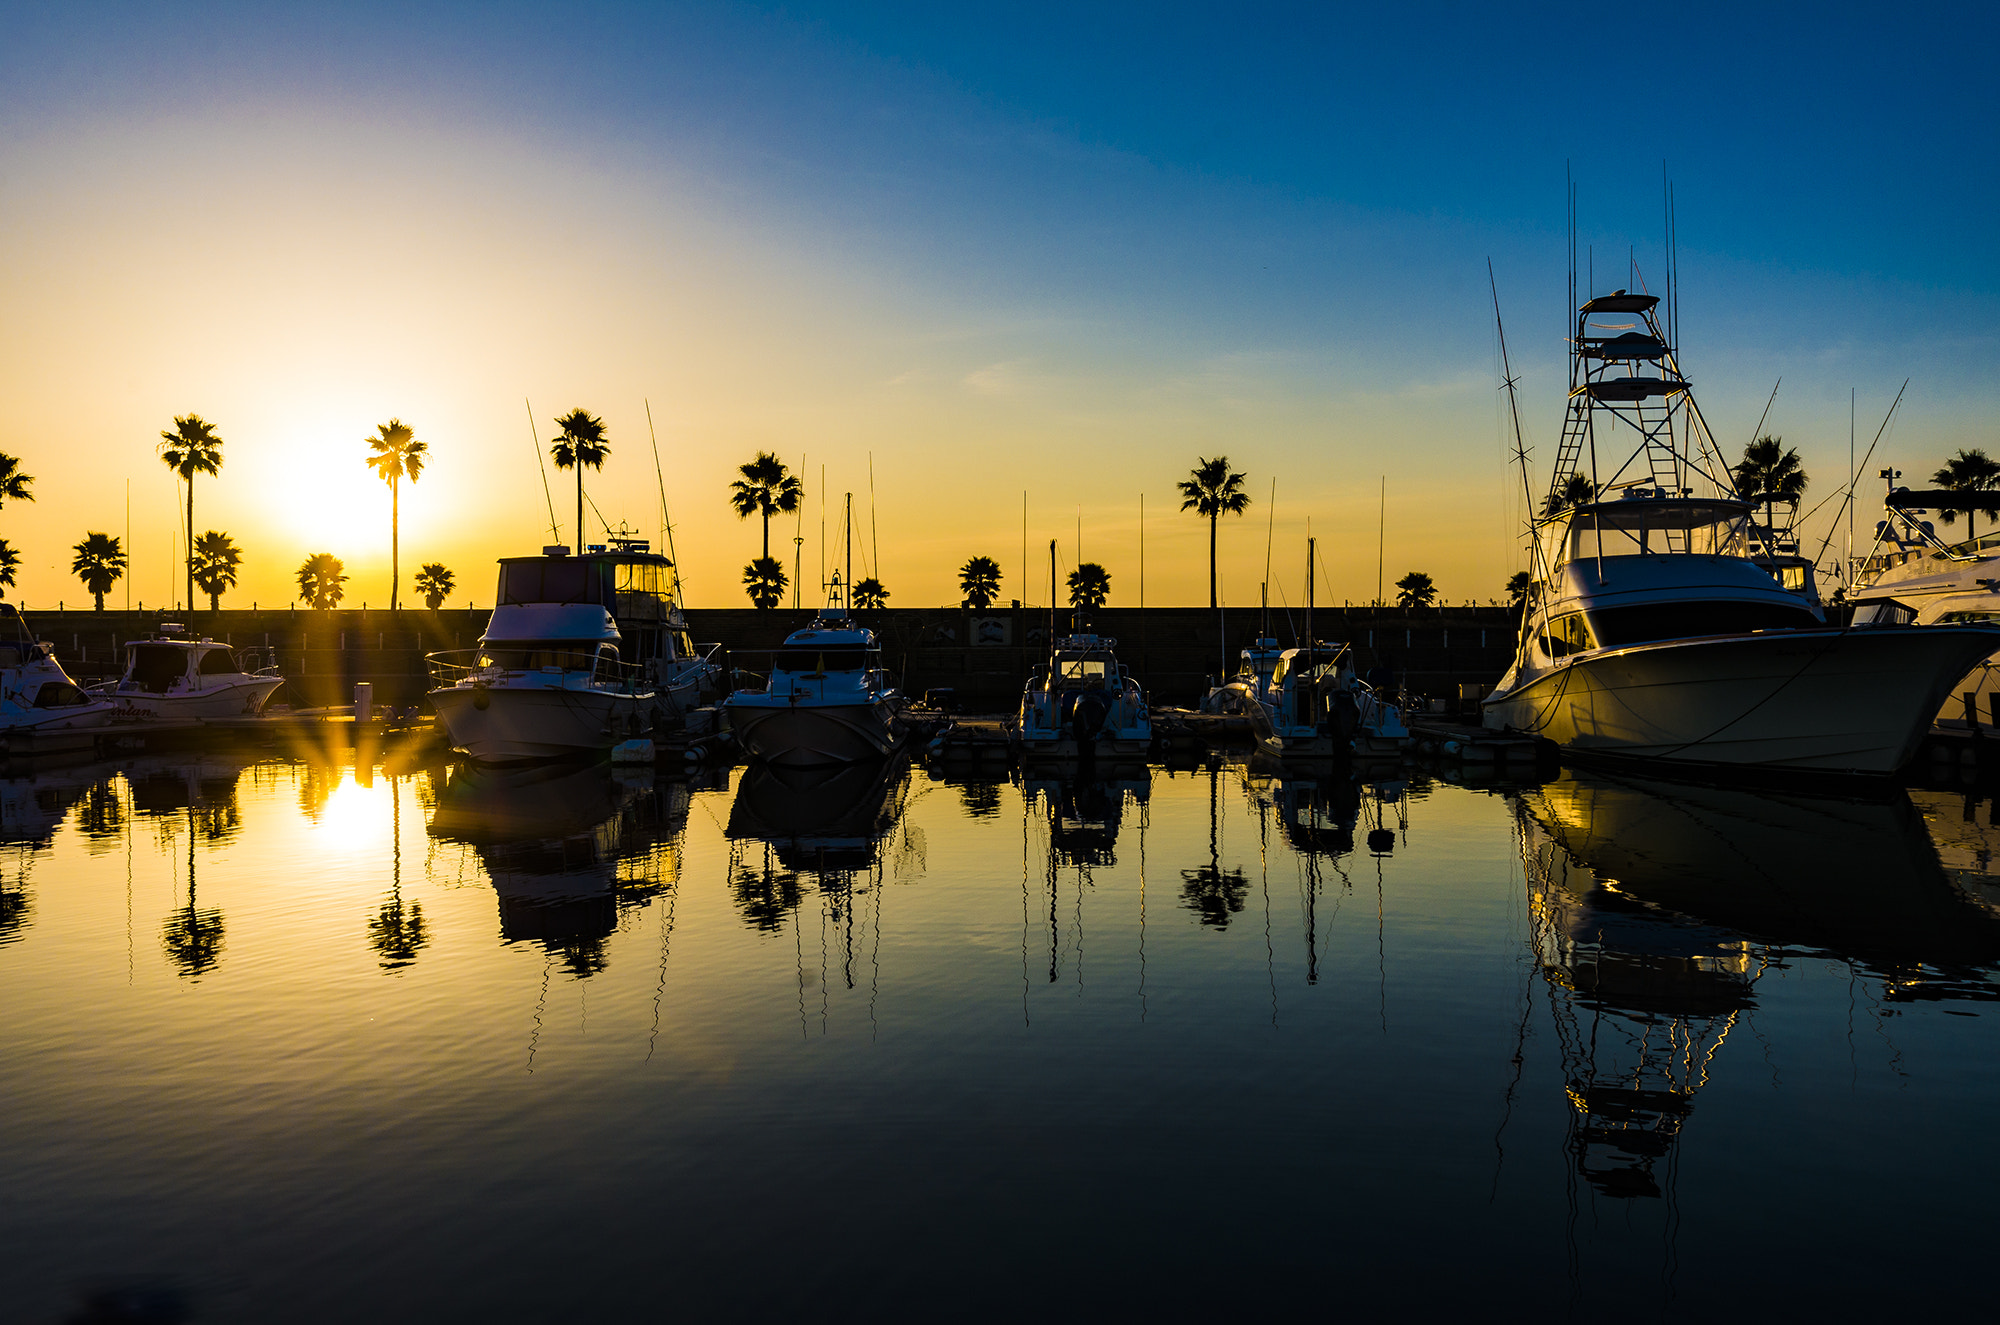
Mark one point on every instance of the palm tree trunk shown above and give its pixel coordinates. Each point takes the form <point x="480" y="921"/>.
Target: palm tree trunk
<point x="1212" y="520"/>
<point x="190" y="547"/>
<point x="395" y="541"/>
<point x="100" y="602"/>
<point x="579" y="506"/>
<point x="767" y="535"/>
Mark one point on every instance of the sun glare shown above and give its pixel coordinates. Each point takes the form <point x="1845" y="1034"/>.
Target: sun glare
<point x="356" y="818"/>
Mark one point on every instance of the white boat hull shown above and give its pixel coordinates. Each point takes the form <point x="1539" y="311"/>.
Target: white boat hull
<point x="816" y="735"/>
<point x="515" y="725"/>
<point x="1832" y="701"/>
<point x="49" y="731"/>
<point x="231" y="697"/>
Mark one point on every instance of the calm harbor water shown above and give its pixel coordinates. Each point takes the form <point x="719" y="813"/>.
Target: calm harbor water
<point x="310" y="1041"/>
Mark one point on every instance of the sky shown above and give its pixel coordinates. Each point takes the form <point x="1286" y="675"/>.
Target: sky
<point x="951" y="258"/>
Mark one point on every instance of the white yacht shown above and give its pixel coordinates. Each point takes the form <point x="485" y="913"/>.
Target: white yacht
<point x="1084" y="703"/>
<point x="550" y="680"/>
<point x="173" y="677"/>
<point x="41" y="708"/>
<point x="1650" y="630"/>
<point x="1911" y="575"/>
<point x="827" y="699"/>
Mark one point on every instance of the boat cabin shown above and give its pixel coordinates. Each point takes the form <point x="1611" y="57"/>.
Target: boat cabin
<point x="637" y="589"/>
<point x="1085" y="662"/>
<point x="157" y="666"/>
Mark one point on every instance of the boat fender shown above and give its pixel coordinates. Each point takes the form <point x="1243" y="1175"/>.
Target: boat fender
<point x="1452" y="747"/>
<point x="480" y="699"/>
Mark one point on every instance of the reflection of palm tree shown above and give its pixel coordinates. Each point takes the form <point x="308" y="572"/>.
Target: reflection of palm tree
<point x="982" y="799"/>
<point x="766" y="896"/>
<point x="396" y="931"/>
<point x="193" y="937"/>
<point x="1089" y="585"/>
<point x="99" y="563"/>
<point x="1212" y="492"/>
<point x="103" y="814"/>
<point x="14" y="910"/>
<point x="191" y="448"/>
<point x="765" y="489"/>
<point x="1211" y="892"/>
<point x="215" y="561"/>
<point x="979" y="581"/>
<point x="580" y="445"/>
<point x="398" y="454"/>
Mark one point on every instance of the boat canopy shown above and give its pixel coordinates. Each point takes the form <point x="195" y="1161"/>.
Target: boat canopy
<point x="1630" y="345"/>
<point x="1650" y="525"/>
<point x="1620" y="302"/>
<point x="1942" y="499"/>
<point x="1626" y="389"/>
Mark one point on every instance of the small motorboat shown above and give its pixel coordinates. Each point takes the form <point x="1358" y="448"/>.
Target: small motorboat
<point x="1315" y="707"/>
<point x="826" y="701"/>
<point x="171" y="676"/>
<point x="41" y="708"/>
<point x="1084" y="704"/>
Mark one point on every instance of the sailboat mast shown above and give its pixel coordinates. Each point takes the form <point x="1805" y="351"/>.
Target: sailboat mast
<point x="1311" y="584"/>
<point x="847" y="528"/>
<point x="1052" y="611"/>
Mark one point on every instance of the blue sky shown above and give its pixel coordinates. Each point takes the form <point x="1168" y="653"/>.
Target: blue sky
<point x="1075" y="244"/>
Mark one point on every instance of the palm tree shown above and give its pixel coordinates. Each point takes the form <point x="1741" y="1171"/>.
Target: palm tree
<point x="1415" y="590"/>
<point x="1575" y="491"/>
<point x="1517" y="587"/>
<point x="870" y="593"/>
<point x="765" y="489"/>
<point x="1770" y="474"/>
<point x="1089" y="585"/>
<point x="979" y="581"/>
<point x="191" y="448"/>
<point x="765" y="581"/>
<point x="1969" y="471"/>
<point x="99" y="563"/>
<point x="215" y="561"/>
<point x="14" y="484"/>
<point x="397" y="453"/>
<point x="9" y="560"/>
<point x="581" y="443"/>
<point x="1213" y="492"/>
<point x="435" y="583"/>
<point x="320" y="581"/>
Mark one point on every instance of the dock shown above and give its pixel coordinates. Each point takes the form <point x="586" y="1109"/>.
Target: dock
<point x="1464" y="742"/>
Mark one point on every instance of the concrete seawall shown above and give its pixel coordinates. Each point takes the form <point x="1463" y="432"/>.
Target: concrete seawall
<point x="983" y="656"/>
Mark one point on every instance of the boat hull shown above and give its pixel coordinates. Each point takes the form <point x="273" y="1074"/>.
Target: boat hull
<point x="516" y="726"/>
<point x="1832" y="701"/>
<point x="55" y="730"/>
<point x="244" y="698"/>
<point x="816" y="735"/>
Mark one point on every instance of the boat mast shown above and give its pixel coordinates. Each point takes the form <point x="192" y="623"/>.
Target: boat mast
<point x="1311" y="584"/>
<point x="847" y="529"/>
<point x="1052" y="612"/>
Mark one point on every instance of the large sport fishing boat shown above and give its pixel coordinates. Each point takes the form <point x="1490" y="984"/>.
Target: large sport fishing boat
<point x="1650" y="629"/>
<point x="827" y="699"/>
<point x="580" y="653"/>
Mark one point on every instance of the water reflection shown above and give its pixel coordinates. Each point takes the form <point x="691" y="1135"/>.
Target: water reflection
<point x="1083" y="815"/>
<point x="1656" y="908"/>
<point x="197" y="797"/>
<point x="569" y="851"/>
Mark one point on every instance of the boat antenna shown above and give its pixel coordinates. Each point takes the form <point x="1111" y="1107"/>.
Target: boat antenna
<point x="874" y="530"/>
<point x="1509" y="381"/>
<point x="1312" y="581"/>
<point x="847" y="527"/>
<point x="666" y="525"/>
<point x="1848" y="501"/>
<point x="1381" y="537"/>
<point x="1052" y="612"/>
<point x="535" y="440"/>
<point x="822" y="526"/>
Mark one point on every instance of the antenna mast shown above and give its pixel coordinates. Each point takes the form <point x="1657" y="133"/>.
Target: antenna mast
<point x="535" y="440"/>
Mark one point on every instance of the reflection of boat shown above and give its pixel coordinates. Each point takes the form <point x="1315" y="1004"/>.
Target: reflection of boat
<point x="820" y="819"/>
<point x="828" y="700"/>
<point x="580" y="654"/>
<point x="568" y="850"/>
<point x="1085" y="812"/>
<point x="1651" y="630"/>
<point x="171" y="676"/>
<point x="1657" y="906"/>
<point x="1085" y="704"/>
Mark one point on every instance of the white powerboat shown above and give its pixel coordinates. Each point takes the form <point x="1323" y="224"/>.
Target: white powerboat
<point x="1650" y="631"/>
<point x="41" y="708"/>
<point x="172" y="677"/>
<point x="1084" y="703"/>
<point x="1312" y="705"/>
<point x="827" y="700"/>
<point x="548" y="680"/>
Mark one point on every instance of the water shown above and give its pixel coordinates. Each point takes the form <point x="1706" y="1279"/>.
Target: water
<point x="311" y="1041"/>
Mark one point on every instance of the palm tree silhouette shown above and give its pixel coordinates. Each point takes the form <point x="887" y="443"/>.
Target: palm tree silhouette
<point x="99" y="564"/>
<point x="1415" y="590"/>
<point x="191" y="448"/>
<point x="1770" y="474"/>
<point x="435" y="583"/>
<point x="765" y="580"/>
<point x="1212" y="492"/>
<point x="10" y="560"/>
<point x="14" y="484"/>
<point x="581" y="443"/>
<point x="979" y="581"/>
<point x="1517" y="586"/>
<point x="398" y="453"/>
<point x="1969" y="471"/>
<point x="320" y="581"/>
<point x="1575" y="491"/>
<point x="215" y="561"/>
<point x="869" y="593"/>
<point x="765" y="489"/>
<point x="1089" y="585"/>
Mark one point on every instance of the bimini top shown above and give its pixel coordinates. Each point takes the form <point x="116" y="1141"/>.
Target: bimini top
<point x="1620" y="302"/>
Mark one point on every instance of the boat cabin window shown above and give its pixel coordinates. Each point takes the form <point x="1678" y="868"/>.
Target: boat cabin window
<point x="1792" y="577"/>
<point x="812" y="662"/>
<point x="156" y="666"/>
<point x="1090" y="671"/>
<point x="1656" y="528"/>
<point x="217" y="662"/>
<point x="1658" y="621"/>
<point x="1968" y="618"/>
<point x="555" y="580"/>
<point x="534" y="655"/>
<point x="59" y="695"/>
<point x="1566" y="634"/>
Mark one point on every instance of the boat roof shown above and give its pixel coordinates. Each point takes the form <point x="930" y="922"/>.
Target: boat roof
<point x="1638" y="507"/>
<point x="616" y="553"/>
<point x="1620" y="302"/>
<point x="1942" y="499"/>
<point x="832" y="633"/>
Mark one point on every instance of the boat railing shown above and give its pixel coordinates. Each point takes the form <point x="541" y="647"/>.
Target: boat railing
<point x="452" y="667"/>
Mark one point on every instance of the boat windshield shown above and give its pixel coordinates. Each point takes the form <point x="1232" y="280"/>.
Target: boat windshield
<point x="1615" y="626"/>
<point x="813" y="662"/>
<point x="1653" y="527"/>
<point x="1087" y="669"/>
<point x="542" y="655"/>
<point x="155" y="666"/>
<point x="555" y="580"/>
